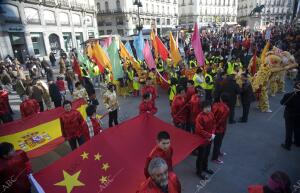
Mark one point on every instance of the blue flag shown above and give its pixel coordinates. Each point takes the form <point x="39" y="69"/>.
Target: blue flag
<point x="128" y="47"/>
<point x="139" y="44"/>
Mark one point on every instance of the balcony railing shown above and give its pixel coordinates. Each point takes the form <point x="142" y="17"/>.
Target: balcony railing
<point x="49" y="2"/>
<point x="32" y="1"/>
<point x="111" y="11"/>
<point x="63" y="3"/>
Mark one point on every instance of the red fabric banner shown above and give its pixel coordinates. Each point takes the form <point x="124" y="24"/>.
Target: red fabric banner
<point x="113" y="161"/>
<point x="162" y="50"/>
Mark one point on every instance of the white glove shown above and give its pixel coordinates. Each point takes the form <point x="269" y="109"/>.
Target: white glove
<point x="212" y="137"/>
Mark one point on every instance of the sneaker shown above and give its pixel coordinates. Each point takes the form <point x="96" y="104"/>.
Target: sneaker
<point x="209" y="171"/>
<point x="222" y="154"/>
<point x="284" y="146"/>
<point x="269" y="111"/>
<point x="217" y="161"/>
<point x="232" y="122"/>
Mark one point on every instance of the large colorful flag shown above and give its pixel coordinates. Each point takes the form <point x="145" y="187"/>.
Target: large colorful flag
<point x="94" y="56"/>
<point x="128" y="47"/>
<point x="148" y="56"/>
<point x="174" y="52"/>
<point x="196" y="44"/>
<point x="101" y="56"/>
<point x="113" y="53"/>
<point x="89" y="67"/>
<point x="113" y="161"/>
<point x="107" y="42"/>
<point x="264" y="52"/>
<point x="154" y="45"/>
<point x="39" y="133"/>
<point x="139" y="44"/>
<point x="162" y="50"/>
<point x="126" y="55"/>
<point x="76" y="67"/>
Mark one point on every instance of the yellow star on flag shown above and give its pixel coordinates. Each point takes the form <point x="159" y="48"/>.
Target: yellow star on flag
<point x="98" y="156"/>
<point x="105" y="166"/>
<point x="70" y="181"/>
<point x="103" y="179"/>
<point x="84" y="155"/>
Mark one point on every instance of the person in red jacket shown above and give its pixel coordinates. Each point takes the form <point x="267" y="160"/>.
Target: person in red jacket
<point x="29" y="107"/>
<point x="161" y="180"/>
<point x="179" y="109"/>
<point x="72" y="127"/>
<point x="149" y="88"/>
<point x="279" y="182"/>
<point x="190" y="90"/>
<point x="205" y="128"/>
<point x="163" y="149"/>
<point x="91" y="126"/>
<point x="5" y="114"/>
<point x="221" y="113"/>
<point x="14" y="170"/>
<point x="147" y="105"/>
<point x="194" y="108"/>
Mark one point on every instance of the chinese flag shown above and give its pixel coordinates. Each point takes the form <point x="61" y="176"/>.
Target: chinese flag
<point x="162" y="50"/>
<point x="113" y="161"/>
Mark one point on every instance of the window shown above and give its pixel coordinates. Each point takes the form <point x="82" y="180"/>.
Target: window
<point x="168" y="10"/>
<point x="101" y="32"/>
<point x="106" y="6"/>
<point x="32" y="16"/>
<point x="64" y="19"/>
<point x="98" y="7"/>
<point x="118" y="5"/>
<point x="119" y="20"/>
<point x="168" y="22"/>
<point x="121" y="32"/>
<point x="101" y="23"/>
<point x="147" y="8"/>
<point x="68" y="41"/>
<point x="89" y="21"/>
<point x="11" y="13"/>
<point x="49" y="17"/>
<point x="108" y="32"/>
<point x="38" y="44"/>
<point x="163" y="10"/>
<point x="76" y="19"/>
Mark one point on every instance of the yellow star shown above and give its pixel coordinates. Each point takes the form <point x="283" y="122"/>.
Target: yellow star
<point x="103" y="180"/>
<point x="84" y="155"/>
<point x="98" y="156"/>
<point x="105" y="166"/>
<point x="70" y="181"/>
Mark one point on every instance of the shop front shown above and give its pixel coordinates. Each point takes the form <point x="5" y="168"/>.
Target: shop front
<point x="18" y="44"/>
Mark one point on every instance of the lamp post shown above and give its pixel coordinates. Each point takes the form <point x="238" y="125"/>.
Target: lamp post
<point x="138" y="3"/>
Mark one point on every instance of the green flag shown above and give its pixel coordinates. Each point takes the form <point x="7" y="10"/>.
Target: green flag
<point x="114" y="57"/>
<point x="87" y="65"/>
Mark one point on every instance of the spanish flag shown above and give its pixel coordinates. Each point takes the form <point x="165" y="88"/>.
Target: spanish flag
<point x="39" y="133"/>
<point x="174" y="52"/>
<point x="113" y="161"/>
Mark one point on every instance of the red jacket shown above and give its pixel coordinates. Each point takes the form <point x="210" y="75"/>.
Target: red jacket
<point x="96" y="128"/>
<point x="256" y="189"/>
<point x="149" y="89"/>
<point x="14" y="173"/>
<point x="205" y="125"/>
<point x="148" y="106"/>
<point x="190" y="91"/>
<point x="221" y="113"/>
<point x="157" y="152"/>
<point x="4" y="108"/>
<point x="195" y="107"/>
<point x="61" y="85"/>
<point x="179" y="110"/>
<point x="72" y="124"/>
<point x="29" y="107"/>
<point x="148" y="186"/>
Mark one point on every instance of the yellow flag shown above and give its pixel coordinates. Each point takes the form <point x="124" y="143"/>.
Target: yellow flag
<point x="263" y="54"/>
<point x="89" y="51"/>
<point x="98" y="51"/>
<point x="152" y="37"/>
<point x="126" y="56"/>
<point x="174" y="52"/>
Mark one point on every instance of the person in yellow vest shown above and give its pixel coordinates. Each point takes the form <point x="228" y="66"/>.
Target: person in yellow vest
<point x="136" y="84"/>
<point x="130" y="75"/>
<point x="229" y="67"/>
<point x="192" y="63"/>
<point x="198" y="78"/>
<point x="160" y="66"/>
<point x="172" y="89"/>
<point x="208" y="84"/>
<point x="238" y="63"/>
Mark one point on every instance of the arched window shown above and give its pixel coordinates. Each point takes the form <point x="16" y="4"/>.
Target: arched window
<point x="32" y="15"/>
<point x="118" y="5"/>
<point x="11" y="12"/>
<point x="98" y="7"/>
<point x="49" y="17"/>
<point x="76" y="19"/>
<point x="106" y="6"/>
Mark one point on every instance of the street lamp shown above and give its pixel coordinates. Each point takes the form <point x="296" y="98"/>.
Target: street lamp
<point x="138" y="3"/>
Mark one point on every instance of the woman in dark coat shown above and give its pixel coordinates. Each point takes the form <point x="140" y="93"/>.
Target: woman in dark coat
<point x="55" y="94"/>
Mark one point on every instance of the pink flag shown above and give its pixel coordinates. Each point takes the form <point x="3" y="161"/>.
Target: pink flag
<point x="148" y="56"/>
<point x="107" y="42"/>
<point x="196" y="44"/>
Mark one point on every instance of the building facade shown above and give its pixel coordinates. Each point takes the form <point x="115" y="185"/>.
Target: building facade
<point x="207" y="12"/>
<point x="121" y="16"/>
<point x="276" y="12"/>
<point x="35" y="27"/>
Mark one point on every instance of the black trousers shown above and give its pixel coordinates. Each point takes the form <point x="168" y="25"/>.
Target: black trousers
<point x="41" y="106"/>
<point x="113" y="118"/>
<point x="6" y="118"/>
<point x="231" y="113"/>
<point x="73" y="142"/>
<point x="292" y="129"/>
<point x="57" y="103"/>
<point x="217" y="145"/>
<point x="208" y="95"/>
<point x="181" y="126"/>
<point x="246" y="108"/>
<point x="202" y="158"/>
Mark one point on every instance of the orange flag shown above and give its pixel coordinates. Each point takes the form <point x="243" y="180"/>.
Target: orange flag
<point x="126" y="56"/>
<point x="174" y="52"/>
<point x="91" y="53"/>
<point x="101" y="56"/>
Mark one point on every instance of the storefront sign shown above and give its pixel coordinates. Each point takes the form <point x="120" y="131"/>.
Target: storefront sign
<point x="15" y="29"/>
